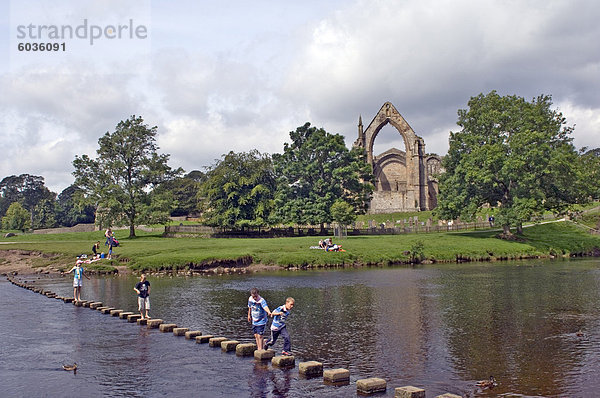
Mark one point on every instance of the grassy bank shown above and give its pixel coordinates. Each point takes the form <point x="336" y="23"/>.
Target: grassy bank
<point x="153" y="252"/>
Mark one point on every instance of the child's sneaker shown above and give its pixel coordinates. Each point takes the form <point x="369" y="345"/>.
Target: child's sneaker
<point x="268" y="344"/>
<point x="285" y="353"/>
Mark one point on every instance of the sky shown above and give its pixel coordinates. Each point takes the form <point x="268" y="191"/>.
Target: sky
<point x="234" y="76"/>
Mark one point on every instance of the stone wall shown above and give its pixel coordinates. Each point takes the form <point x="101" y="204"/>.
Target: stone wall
<point x="64" y="230"/>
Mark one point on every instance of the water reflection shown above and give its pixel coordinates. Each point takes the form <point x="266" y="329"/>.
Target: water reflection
<point x="439" y="327"/>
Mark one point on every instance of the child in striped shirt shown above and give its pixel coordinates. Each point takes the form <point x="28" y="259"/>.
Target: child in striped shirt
<point x="278" y="326"/>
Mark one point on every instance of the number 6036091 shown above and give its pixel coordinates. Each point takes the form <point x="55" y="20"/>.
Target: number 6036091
<point x="41" y="47"/>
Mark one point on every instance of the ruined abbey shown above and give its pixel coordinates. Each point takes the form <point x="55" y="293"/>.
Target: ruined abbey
<point x="405" y="179"/>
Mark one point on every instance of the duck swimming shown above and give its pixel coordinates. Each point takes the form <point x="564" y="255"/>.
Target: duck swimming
<point x="71" y="367"/>
<point x="491" y="383"/>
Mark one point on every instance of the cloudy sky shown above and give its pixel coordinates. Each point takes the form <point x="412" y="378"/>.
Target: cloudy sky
<point x="238" y="75"/>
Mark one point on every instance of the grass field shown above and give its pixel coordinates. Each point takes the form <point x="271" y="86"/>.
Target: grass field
<point x="150" y="251"/>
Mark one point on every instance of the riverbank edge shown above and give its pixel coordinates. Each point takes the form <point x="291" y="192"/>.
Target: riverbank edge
<point x="19" y="261"/>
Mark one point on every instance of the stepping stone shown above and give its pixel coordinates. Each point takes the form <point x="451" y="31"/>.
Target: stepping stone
<point x="86" y="303"/>
<point x="264" y="354"/>
<point x="78" y="303"/>
<point x="115" y="312"/>
<point x="180" y="331"/>
<point x="409" y="392"/>
<point x="95" y="305"/>
<point x="204" y="338"/>
<point x="448" y="395"/>
<point x="192" y="334"/>
<point x="245" y="349"/>
<point x="142" y="321"/>
<point x="133" y="318"/>
<point x="284" y="361"/>
<point x="371" y="385"/>
<point x="107" y="310"/>
<point x="167" y="327"/>
<point x="216" y="341"/>
<point x="229" y="345"/>
<point x="101" y="308"/>
<point x="310" y="368"/>
<point x="153" y="323"/>
<point x="336" y="375"/>
<point x="125" y="314"/>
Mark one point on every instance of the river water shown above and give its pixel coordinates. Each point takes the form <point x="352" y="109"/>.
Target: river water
<point x="439" y="327"/>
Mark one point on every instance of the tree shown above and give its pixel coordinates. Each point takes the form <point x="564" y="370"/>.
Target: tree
<point x="590" y="166"/>
<point x="71" y="209"/>
<point x="314" y="171"/>
<point x="184" y="192"/>
<point x="511" y="153"/>
<point x="119" y="180"/>
<point x="44" y="214"/>
<point x="16" y="218"/>
<point x="26" y="189"/>
<point x="238" y="191"/>
<point x="196" y="175"/>
<point x="342" y="212"/>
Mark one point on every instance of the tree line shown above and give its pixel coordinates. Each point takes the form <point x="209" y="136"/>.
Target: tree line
<point x="315" y="180"/>
<point x="512" y="154"/>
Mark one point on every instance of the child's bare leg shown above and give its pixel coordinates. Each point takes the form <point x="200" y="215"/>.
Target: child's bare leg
<point x="259" y="341"/>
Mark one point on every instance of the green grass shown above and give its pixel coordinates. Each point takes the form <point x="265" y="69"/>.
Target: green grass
<point x="591" y="218"/>
<point x="151" y="251"/>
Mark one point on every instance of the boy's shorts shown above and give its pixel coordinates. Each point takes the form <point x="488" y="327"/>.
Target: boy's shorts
<point x="143" y="303"/>
<point x="258" y="329"/>
<point x="76" y="282"/>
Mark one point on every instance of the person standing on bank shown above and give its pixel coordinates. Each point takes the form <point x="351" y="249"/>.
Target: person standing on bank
<point x="278" y="326"/>
<point x="142" y="288"/>
<point x="96" y="249"/>
<point x="109" y="241"/>
<point x="78" y="274"/>
<point x="258" y="312"/>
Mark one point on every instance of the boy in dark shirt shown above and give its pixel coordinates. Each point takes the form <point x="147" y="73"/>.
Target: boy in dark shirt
<point x="142" y="288"/>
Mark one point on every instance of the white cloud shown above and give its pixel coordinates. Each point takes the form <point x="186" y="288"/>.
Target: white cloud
<point x="429" y="57"/>
<point x="587" y="124"/>
<point x="228" y="76"/>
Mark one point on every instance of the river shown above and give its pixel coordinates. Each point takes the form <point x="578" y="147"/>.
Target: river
<point x="439" y="327"/>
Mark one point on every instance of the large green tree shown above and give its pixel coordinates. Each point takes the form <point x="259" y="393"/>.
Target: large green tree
<point x="314" y="171"/>
<point x="44" y="214"/>
<point x="590" y="166"/>
<point x="16" y="217"/>
<point x="27" y="189"/>
<point x="184" y="191"/>
<point x="238" y="190"/>
<point x="513" y="154"/>
<point x="71" y="210"/>
<point x="118" y="182"/>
